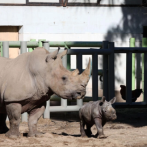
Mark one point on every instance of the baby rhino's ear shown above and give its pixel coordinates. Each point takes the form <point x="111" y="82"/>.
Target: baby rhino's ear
<point x="113" y="100"/>
<point x="102" y="101"/>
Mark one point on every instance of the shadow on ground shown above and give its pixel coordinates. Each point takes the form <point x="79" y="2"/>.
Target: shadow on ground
<point x="74" y="135"/>
<point x="135" y="117"/>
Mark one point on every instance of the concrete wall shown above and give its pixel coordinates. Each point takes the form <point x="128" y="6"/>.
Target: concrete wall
<point x="116" y="24"/>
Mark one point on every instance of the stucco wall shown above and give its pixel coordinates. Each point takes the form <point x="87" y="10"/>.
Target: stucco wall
<point x="116" y="24"/>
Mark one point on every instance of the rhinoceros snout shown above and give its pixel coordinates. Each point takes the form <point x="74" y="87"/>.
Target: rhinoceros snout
<point x="114" y="117"/>
<point x="79" y="95"/>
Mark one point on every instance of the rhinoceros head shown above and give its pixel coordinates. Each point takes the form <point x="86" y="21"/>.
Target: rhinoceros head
<point x="107" y="109"/>
<point x="64" y="83"/>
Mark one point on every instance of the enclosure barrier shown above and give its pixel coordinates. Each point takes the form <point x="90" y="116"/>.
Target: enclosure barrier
<point x="107" y="49"/>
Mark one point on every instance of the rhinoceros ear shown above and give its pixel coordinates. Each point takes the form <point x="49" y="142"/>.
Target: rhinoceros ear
<point x="113" y="100"/>
<point x="52" y="55"/>
<point x="75" y="72"/>
<point x="102" y="100"/>
<point x="63" y="53"/>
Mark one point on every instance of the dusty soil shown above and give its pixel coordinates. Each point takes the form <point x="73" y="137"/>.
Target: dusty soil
<point x="129" y="130"/>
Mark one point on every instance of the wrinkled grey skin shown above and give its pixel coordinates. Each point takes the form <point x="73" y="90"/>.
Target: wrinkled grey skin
<point x="97" y="113"/>
<point x="28" y="81"/>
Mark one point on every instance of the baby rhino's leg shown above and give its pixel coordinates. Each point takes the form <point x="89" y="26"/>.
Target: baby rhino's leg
<point x="98" y="123"/>
<point x="88" y="130"/>
<point x="82" y="125"/>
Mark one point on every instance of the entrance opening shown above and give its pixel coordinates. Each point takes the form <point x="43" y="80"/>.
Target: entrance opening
<point x="10" y="33"/>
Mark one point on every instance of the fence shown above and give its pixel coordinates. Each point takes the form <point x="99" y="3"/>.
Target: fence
<point x="107" y="49"/>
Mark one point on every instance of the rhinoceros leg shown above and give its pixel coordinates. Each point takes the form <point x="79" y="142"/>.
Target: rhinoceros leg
<point x="100" y="133"/>
<point x="34" y="116"/>
<point x="14" y="113"/>
<point x="3" y="126"/>
<point x="82" y="125"/>
<point x="88" y="132"/>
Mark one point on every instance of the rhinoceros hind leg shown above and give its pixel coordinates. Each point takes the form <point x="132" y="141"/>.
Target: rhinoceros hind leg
<point x="14" y="113"/>
<point x="88" y="131"/>
<point x="34" y="116"/>
<point x="3" y="126"/>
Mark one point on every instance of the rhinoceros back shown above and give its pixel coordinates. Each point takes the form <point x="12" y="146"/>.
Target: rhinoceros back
<point x="16" y="82"/>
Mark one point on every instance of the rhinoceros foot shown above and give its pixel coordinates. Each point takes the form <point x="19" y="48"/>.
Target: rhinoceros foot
<point x="102" y="137"/>
<point x="13" y="135"/>
<point x="38" y="134"/>
<point x="88" y="132"/>
<point x="84" y="136"/>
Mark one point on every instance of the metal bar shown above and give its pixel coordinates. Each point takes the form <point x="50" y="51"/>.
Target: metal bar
<point x="56" y="98"/>
<point x="94" y="77"/>
<point x="111" y="71"/>
<point x="63" y="109"/>
<point x="46" y="112"/>
<point x="138" y="67"/>
<point x="128" y="49"/>
<point x="6" y="49"/>
<point x="143" y="74"/>
<point x="40" y="42"/>
<point x="144" y="44"/>
<point x="1" y="49"/>
<point x="90" y="51"/>
<point x="79" y="66"/>
<point x="129" y="78"/>
<point x="145" y="78"/>
<point x="46" y="45"/>
<point x="132" y="44"/>
<point x="31" y="49"/>
<point x="86" y="51"/>
<point x="76" y="44"/>
<point x="23" y="48"/>
<point x="100" y="71"/>
<point x="24" y="117"/>
<point x="5" y="46"/>
<point x="64" y="101"/>
<point x="133" y="103"/>
<point x="79" y="62"/>
<point x="14" y="44"/>
<point x="105" y="71"/>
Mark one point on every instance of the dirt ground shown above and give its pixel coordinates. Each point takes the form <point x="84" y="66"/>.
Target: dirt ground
<point x="129" y="130"/>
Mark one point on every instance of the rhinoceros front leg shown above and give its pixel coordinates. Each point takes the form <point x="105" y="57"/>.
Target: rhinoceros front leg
<point x="3" y="126"/>
<point x="100" y="133"/>
<point x="82" y="125"/>
<point x="34" y="116"/>
<point x="14" y="113"/>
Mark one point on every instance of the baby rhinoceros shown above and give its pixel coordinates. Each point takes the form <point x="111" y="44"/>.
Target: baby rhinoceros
<point x="97" y="113"/>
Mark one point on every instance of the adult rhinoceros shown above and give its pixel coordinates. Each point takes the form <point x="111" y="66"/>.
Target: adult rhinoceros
<point x="28" y="81"/>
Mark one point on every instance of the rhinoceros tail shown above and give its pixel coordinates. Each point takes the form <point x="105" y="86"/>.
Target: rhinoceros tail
<point x="2" y="94"/>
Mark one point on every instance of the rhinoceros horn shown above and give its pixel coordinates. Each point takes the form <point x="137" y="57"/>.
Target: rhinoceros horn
<point x="87" y="72"/>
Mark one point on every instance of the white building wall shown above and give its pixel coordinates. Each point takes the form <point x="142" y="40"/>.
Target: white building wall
<point x="116" y="24"/>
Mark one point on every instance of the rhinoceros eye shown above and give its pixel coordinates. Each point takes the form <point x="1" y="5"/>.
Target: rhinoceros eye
<point x="64" y="78"/>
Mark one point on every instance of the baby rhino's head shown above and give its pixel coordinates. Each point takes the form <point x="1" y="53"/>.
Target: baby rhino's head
<point x="107" y="109"/>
